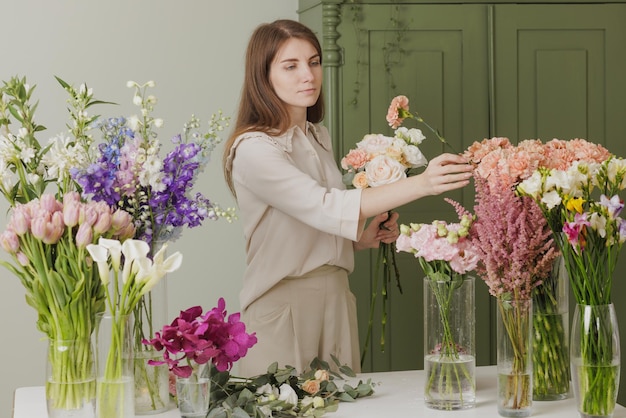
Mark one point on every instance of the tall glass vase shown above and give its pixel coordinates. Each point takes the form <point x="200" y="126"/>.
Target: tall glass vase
<point x="71" y="379"/>
<point x="514" y="361"/>
<point x="115" y="389"/>
<point x="595" y="359"/>
<point x="151" y="382"/>
<point x="550" y="353"/>
<point x="449" y="343"/>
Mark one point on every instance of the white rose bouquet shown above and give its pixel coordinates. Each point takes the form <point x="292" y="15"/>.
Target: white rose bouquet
<point x="378" y="160"/>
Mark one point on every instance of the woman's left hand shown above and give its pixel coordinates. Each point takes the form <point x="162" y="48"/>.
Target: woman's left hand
<point x="382" y="228"/>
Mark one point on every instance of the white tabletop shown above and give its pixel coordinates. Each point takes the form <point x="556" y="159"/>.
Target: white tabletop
<point x="398" y="395"/>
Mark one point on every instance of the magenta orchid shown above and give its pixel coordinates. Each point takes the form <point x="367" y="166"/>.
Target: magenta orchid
<point x="195" y="338"/>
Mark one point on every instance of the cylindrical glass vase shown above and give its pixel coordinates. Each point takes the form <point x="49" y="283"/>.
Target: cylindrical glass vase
<point x="595" y="359"/>
<point x="551" y="366"/>
<point x="151" y="382"/>
<point x="449" y="343"/>
<point x="193" y="393"/>
<point x="514" y="360"/>
<point x="115" y="389"/>
<point x="70" y="379"/>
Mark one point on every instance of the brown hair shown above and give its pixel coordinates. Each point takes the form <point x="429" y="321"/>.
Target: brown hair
<point x="260" y="109"/>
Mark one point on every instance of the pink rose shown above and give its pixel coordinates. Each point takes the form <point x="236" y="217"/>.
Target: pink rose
<point x="311" y="386"/>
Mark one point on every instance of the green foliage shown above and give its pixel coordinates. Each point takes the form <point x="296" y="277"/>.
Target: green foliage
<point x="266" y="394"/>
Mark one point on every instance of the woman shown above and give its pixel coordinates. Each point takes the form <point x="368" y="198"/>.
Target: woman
<point x="300" y="223"/>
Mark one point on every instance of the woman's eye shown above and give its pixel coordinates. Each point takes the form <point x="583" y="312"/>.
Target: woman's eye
<point x="315" y="63"/>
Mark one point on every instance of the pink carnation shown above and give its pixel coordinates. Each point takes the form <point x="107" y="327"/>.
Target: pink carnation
<point x="355" y="159"/>
<point x="394" y="114"/>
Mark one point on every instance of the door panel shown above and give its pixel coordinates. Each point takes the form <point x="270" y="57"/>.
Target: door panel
<point x="436" y="56"/>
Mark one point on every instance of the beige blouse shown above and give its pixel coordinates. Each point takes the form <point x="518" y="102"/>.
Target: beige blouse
<point x="297" y="214"/>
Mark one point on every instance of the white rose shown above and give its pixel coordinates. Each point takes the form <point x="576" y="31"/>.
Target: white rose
<point x="375" y="144"/>
<point x="414" y="156"/>
<point x="383" y="170"/>
<point x="412" y="136"/>
<point x="288" y="395"/>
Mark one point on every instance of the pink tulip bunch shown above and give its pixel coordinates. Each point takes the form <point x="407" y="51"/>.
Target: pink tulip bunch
<point x="49" y="220"/>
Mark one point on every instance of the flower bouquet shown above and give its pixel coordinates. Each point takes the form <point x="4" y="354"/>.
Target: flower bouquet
<point x="47" y="240"/>
<point x="129" y="172"/>
<point x="201" y="348"/>
<point x="377" y="160"/>
<point x="282" y="393"/>
<point x="192" y="344"/>
<point x="446" y="255"/>
<point x="139" y="274"/>
<point x="517" y="254"/>
<point x="581" y="203"/>
<point x="504" y="165"/>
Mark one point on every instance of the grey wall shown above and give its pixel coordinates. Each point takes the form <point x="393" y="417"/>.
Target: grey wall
<point x="193" y="50"/>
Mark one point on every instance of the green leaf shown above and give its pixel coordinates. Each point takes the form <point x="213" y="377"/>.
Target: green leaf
<point x="63" y="83"/>
<point x="97" y="102"/>
<point x="240" y="413"/>
<point x="345" y="397"/>
<point x="272" y="368"/>
<point x="347" y="371"/>
<point x="15" y="113"/>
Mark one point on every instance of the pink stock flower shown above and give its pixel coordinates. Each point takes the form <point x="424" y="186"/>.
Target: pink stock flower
<point x="442" y="247"/>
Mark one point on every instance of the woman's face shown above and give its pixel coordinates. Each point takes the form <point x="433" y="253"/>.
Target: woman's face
<point x="296" y="75"/>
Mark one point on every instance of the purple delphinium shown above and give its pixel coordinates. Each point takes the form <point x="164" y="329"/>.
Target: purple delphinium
<point x="173" y="207"/>
<point x="101" y="180"/>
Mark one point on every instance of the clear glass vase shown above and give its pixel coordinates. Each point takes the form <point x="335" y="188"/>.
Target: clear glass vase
<point x="551" y="366"/>
<point x="595" y="359"/>
<point x="449" y="343"/>
<point x="115" y="389"/>
<point x="151" y="382"/>
<point x="514" y="360"/>
<point x="193" y="393"/>
<point x="70" y="379"/>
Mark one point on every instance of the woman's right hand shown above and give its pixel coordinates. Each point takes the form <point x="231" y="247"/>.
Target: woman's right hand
<point x="447" y="172"/>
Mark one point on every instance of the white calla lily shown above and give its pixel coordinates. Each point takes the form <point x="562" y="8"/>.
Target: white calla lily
<point x="115" y="251"/>
<point x="100" y="255"/>
<point x="132" y="250"/>
<point x="170" y="264"/>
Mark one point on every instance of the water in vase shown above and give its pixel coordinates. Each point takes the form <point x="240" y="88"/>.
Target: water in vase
<point x="450" y="381"/>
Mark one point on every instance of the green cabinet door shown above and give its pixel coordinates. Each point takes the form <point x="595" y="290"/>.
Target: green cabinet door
<point x="560" y="72"/>
<point x="436" y="56"/>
